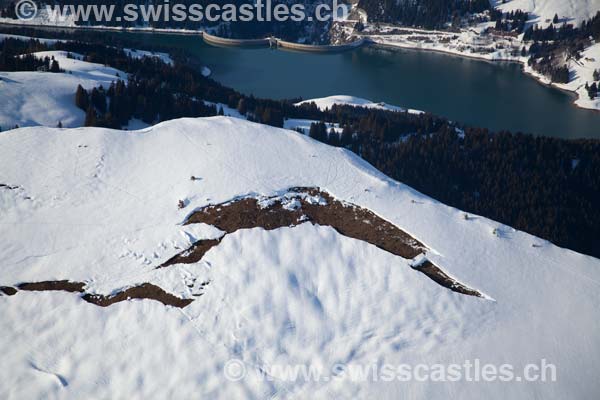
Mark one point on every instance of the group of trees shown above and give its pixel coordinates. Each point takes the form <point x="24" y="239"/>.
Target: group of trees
<point x="553" y="46"/>
<point x="593" y="90"/>
<point x="429" y="14"/>
<point x="547" y="187"/>
<point x="15" y="55"/>
<point x="513" y="21"/>
<point x="155" y="91"/>
<point x="116" y="106"/>
<point x="547" y="67"/>
<point x="7" y="10"/>
<point x="551" y="33"/>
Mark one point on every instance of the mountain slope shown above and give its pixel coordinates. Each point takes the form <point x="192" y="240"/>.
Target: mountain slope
<point x="101" y="207"/>
<point x="543" y="11"/>
<point x="42" y="98"/>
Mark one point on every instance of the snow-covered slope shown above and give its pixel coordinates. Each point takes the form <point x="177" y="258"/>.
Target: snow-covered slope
<point x="27" y="38"/>
<point x="43" y="98"/>
<point x="543" y="11"/>
<point x="581" y="73"/>
<point x="325" y="103"/>
<point x="100" y="206"/>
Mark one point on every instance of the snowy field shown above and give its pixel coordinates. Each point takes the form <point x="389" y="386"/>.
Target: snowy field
<point x="467" y="43"/>
<point x="100" y="206"/>
<point x="325" y="103"/>
<point x="581" y="72"/>
<point x="27" y="38"/>
<point x="542" y="12"/>
<point x="41" y="98"/>
<point x="44" y="98"/>
<point x="303" y="125"/>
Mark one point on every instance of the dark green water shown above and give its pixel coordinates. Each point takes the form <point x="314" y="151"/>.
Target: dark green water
<point x="492" y="95"/>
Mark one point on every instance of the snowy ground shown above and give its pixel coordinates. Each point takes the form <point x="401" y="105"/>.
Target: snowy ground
<point x="303" y="125"/>
<point x="325" y="103"/>
<point x="164" y="57"/>
<point x="40" y="98"/>
<point x="582" y="72"/>
<point x="467" y="43"/>
<point x="100" y="206"/>
<point x="43" y="98"/>
<point x="27" y="38"/>
<point x="542" y="12"/>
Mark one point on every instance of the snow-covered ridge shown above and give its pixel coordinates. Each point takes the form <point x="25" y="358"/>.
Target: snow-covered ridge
<point x="101" y="206"/>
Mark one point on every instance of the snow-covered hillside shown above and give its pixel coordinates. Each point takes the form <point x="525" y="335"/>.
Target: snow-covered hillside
<point x="543" y="11"/>
<point x="581" y="72"/>
<point x="100" y="207"/>
<point x="27" y="38"/>
<point x="43" y="98"/>
<point x="325" y="103"/>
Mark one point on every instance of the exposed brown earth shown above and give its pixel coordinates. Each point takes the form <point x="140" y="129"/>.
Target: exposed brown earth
<point x="440" y="277"/>
<point x="66" y="286"/>
<point x="297" y="206"/>
<point x="144" y="291"/>
<point x="278" y="212"/>
<point x="193" y="254"/>
<point x="301" y="205"/>
<point x="7" y="290"/>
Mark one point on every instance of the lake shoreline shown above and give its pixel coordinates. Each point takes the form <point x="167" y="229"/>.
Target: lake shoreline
<point x="573" y="121"/>
<point x="540" y="79"/>
<point x="279" y="44"/>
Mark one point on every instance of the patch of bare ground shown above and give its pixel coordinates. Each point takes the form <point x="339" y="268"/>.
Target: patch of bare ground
<point x="302" y="205"/>
<point x="8" y="290"/>
<point x="193" y="254"/>
<point x="65" y="286"/>
<point x="440" y="277"/>
<point x="144" y="291"/>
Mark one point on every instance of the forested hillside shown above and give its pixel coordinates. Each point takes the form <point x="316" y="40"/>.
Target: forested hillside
<point x="430" y="14"/>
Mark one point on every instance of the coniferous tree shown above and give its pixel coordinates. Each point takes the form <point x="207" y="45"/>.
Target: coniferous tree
<point x="81" y="98"/>
<point x="54" y="67"/>
<point x="90" y="117"/>
<point x="242" y="107"/>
